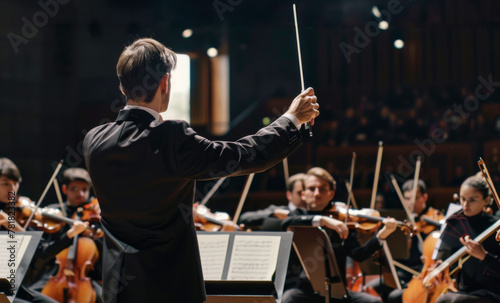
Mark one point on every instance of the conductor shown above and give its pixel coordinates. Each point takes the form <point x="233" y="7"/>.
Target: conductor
<point x="144" y="172"/>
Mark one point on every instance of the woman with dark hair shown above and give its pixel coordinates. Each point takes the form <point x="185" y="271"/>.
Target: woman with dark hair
<point x="479" y="277"/>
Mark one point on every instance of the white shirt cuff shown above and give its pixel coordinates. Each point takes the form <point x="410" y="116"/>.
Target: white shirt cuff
<point x="380" y="241"/>
<point x="294" y="120"/>
<point x="316" y="221"/>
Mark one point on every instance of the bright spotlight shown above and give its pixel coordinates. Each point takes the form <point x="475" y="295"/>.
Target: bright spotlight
<point x="212" y="52"/>
<point x="399" y="44"/>
<point x="187" y="33"/>
<point x="376" y="12"/>
<point x="383" y="25"/>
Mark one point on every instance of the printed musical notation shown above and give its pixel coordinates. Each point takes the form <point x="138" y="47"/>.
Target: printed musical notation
<point x="254" y="257"/>
<point x="251" y="257"/>
<point x="11" y="253"/>
<point x="213" y="250"/>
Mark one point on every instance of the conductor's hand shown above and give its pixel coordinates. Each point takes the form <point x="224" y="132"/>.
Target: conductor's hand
<point x="390" y="226"/>
<point x="336" y="225"/>
<point x="305" y="106"/>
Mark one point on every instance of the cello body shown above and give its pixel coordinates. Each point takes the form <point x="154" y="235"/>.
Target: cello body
<point x="417" y="292"/>
<point x="71" y="284"/>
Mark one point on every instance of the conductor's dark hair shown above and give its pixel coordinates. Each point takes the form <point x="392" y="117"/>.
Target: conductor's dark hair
<point x="141" y="67"/>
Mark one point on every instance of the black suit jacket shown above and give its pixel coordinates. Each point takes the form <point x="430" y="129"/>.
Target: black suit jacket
<point x="143" y="172"/>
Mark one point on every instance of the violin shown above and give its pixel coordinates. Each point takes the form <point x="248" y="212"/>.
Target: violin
<point x="49" y="220"/>
<point x="365" y="219"/>
<point x="208" y="221"/>
<point x="430" y="221"/>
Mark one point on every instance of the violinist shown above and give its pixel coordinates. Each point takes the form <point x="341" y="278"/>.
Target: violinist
<point x="10" y="179"/>
<point x="318" y="194"/>
<point x="294" y="189"/>
<point x="419" y="209"/>
<point x="479" y="278"/>
<point x="144" y="170"/>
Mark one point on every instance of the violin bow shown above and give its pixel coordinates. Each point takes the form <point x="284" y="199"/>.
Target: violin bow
<point x="244" y="194"/>
<point x="351" y="177"/>
<point x="212" y="191"/>
<point x="407" y="210"/>
<point x="415" y="181"/>
<point x="56" y="171"/>
<point x="59" y="197"/>
<point x="377" y="173"/>
<point x="486" y="174"/>
<point x="308" y="124"/>
<point x="460" y="253"/>
<point x="353" y="199"/>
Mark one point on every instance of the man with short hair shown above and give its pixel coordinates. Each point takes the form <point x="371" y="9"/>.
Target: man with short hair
<point x="294" y="188"/>
<point x="144" y="170"/>
<point x="319" y="190"/>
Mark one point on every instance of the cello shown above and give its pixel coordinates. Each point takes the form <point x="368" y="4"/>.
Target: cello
<point x="71" y="284"/>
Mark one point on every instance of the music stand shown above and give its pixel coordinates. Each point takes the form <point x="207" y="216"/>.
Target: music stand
<point x="224" y="287"/>
<point x="317" y="257"/>
<point x="17" y="250"/>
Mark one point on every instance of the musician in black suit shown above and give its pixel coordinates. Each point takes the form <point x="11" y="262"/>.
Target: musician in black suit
<point x="144" y="171"/>
<point x="319" y="190"/>
<point x="294" y="188"/>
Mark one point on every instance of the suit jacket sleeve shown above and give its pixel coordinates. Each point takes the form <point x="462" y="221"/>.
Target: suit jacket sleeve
<point x="255" y="218"/>
<point x="199" y="158"/>
<point x="297" y="217"/>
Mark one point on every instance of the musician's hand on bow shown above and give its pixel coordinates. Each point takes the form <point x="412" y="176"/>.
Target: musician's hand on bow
<point x="473" y="248"/>
<point x="305" y="106"/>
<point x="336" y="225"/>
<point x="497" y="237"/>
<point x="281" y="213"/>
<point x="77" y="228"/>
<point x="390" y="225"/>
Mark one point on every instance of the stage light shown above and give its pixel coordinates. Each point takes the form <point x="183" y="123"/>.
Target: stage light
<point x="376" y="12"/>
<point x="383" y="25"/>
<point x="187" y="33"/>
<point x="399" y="44"/>
<point x="212" y="52"/>
<point x="266" y="121"/>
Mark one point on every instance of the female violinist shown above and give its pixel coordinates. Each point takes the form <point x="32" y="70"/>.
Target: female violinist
<point x="479" y="277"/>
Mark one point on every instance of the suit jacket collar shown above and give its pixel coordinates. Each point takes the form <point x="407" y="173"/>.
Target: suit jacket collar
<point x="135" y="115"/>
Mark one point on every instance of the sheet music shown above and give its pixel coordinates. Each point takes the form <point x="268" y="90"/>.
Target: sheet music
<point x="213" y="250"/>
<point x="254" y="257"/>
<point x="8" y="245"/>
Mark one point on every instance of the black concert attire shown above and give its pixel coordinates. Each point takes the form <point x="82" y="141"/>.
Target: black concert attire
<point x="143" y="172"/>
<point x="478" y="281"/>
<point x="303" y="292"/>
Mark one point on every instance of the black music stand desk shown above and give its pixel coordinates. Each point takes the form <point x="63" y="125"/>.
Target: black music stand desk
<point x="317" y="257"/>
<point x="16" y="251"/>
<point x="244" y="267"/>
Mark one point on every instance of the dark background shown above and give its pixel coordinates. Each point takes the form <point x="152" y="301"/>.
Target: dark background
<point x="62" y="81"/>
